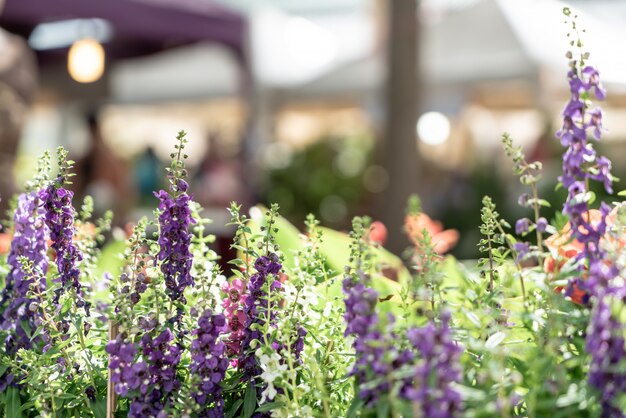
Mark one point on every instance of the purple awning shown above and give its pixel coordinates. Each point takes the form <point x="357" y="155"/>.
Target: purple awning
<point x="163" y="21"/>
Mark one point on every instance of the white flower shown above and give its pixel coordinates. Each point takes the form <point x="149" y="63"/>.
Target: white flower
<point x="269" y="393"/>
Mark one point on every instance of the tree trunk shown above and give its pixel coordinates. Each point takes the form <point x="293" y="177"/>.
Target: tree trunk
<point x="398" y="147"/>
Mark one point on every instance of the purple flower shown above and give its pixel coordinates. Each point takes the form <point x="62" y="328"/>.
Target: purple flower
<point x="373" y="355"/>
<point x="18" y="303"/>
<point x="522" y="225"/>
<point x="161" y="380"/>
<point x="59" y="217"/>
<point x="592" y="78"/>
<point x="437" y="369"/>
<point x="605" y="343"/>
<point x="522" y="249"/>
<point x="126" y="375"/>
<point x="174" y="240"/>
<point x="255" y="309"/>
<point x="541" y="224"/>
<point x="208" y="364"/>
<point x="604" y="340"/>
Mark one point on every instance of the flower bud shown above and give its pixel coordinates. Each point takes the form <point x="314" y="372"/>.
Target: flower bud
<point x="522" y="225"/>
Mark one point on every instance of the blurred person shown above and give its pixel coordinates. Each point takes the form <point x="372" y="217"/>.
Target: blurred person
<point x="219" y="180"/>
<point x="18" y="84"/>
<point x="148" y="172"/>
<point x="105" y="176"/>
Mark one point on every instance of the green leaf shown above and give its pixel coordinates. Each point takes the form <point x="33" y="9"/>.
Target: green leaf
<point x="234" y="408"/>
<point x="12" y="408"/>
<point x="543" y="202"/>
<point x="269" y="406"/>
<point x="249" y="402"/>
<point x="99" y="408"/>
<point x="382" y="408"/>
<point x="356" y="405"/>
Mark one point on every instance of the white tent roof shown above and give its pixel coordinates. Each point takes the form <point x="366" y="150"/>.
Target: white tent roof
<point x="197" y="71"/>
<point x="489" y="40"/>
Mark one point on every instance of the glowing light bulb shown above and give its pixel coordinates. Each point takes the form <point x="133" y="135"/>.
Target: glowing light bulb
<point x="85" y="60"/>
<point x="433" y="128"/>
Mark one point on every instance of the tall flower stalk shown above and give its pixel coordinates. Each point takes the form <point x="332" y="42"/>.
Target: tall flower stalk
<point x="582" y="125"/>
<point x="174" y="257"/>
<point x="59" y="218"/>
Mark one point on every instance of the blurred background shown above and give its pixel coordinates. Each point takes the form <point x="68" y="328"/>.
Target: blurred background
<point x="336" y="107"/>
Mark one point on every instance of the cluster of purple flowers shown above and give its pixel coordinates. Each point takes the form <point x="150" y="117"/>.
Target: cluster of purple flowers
<point x="174" y="240"/>
<point x="606" y="346"/>
<point x="581" y="164"/>
<point x="18" y="303"/>
<point x="362" y="323"/>
<point x="139" y="285"/>
<point x="437" y="368"/>
<point x="126" y="375"/>
<point x="376" y="359"/>
<point x="256" y="309"/>
<point x="209" y="364"/>
<point x="148" y="383"/>
<point x="59" y="217"/>
<point x="604" y="340"/>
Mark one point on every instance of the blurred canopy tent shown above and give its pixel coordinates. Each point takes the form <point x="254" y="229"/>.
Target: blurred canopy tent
<point x="150" y="23"/>
<point x="492" y="40"/>
<point x="156" y="50"/>
<point x="203" y="70"/>
<point x="127" y="29"/>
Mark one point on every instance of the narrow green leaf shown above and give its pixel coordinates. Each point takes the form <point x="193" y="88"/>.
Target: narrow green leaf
<point x="269" y="406"/>
<point x="234" y="408"/>
<point x="355" y="407"/>
<point x="249" y="402"/>
<point x="99" y="408"/>
<point x="12" y="408"/>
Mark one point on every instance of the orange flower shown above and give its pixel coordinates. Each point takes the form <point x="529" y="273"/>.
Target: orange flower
<point x="443" y="240"/>
<point x="5" y="242"/>
<point x="378" y="232"/>
<point x="563" y="246"/>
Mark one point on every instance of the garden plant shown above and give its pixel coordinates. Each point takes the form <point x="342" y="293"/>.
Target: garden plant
<point x="320" y="323"/>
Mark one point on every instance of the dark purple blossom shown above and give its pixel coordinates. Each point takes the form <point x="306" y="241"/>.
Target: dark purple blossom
<point x="126" y="375"/>
<point x="59" y="217"/>
<point x="255" y="308"/>
<point x="209" y="364"/>
<point x="161" y="356"/>
<point x="174" y="239"/>
<point x="146" y="374"/>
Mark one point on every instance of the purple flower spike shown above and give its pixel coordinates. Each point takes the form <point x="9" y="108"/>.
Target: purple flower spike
<point x="174" y="241"/>
<point x="209" y="364"/>
<point x="255" y="308"/>
<point x="437" y="369"/>
<point x="59" y="217"/>
<point x="17" y="304"/>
